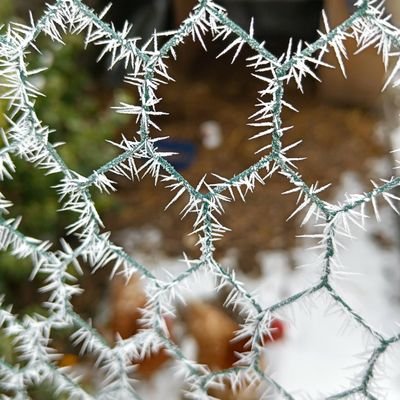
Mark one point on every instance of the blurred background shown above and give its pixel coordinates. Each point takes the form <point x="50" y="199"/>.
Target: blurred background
<point x="348" y="128"/>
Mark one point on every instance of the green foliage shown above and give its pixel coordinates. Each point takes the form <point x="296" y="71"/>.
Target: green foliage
<point x="77" y="107"/>
<point x="6" y="10"/>
<point x="6" y="348"/>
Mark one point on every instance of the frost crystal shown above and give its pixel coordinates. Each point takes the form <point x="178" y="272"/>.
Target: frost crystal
<point x="28" y="139"/>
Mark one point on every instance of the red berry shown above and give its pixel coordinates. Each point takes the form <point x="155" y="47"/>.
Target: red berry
<point x="276" y="331"/>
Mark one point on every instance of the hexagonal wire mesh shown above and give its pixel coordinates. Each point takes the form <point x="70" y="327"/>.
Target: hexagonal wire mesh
<point x="28" y="139"/>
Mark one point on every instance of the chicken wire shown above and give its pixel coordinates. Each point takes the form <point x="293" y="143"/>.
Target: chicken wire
<point x="29" y="139"/>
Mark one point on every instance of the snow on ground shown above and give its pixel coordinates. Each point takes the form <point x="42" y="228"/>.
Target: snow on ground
<point x="323" y="350"/>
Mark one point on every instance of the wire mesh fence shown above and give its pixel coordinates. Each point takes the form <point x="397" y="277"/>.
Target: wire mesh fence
<point x="139" y="154"/>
